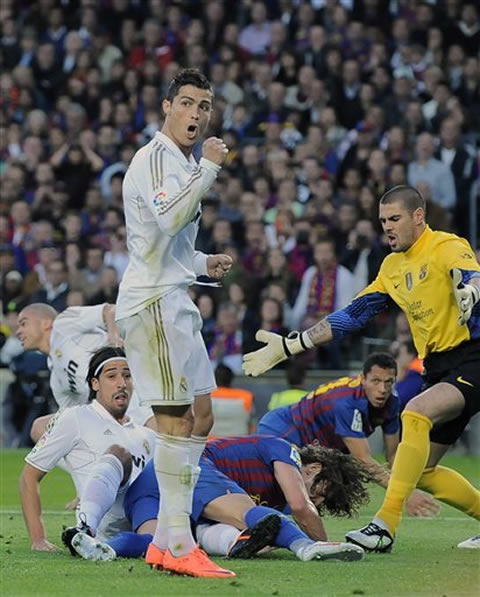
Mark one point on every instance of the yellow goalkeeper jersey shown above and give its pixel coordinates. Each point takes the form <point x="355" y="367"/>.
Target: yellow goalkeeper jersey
<point x="419" y="282"/>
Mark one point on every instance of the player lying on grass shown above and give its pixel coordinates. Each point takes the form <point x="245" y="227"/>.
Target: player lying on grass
<point x="246" y="482"/>
<point x="103" y="450"/>
<point x="342" y="414"/>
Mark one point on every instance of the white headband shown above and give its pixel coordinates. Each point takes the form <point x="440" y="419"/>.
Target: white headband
<point x="108" y="361"/>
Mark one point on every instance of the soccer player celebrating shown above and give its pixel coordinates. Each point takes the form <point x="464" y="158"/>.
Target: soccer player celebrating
<point x="247" y="482"/>
<point x="341" y="414"/>
<point x="434" y="278"/>
<point x="103" y="449"/>
<point x="160" y="324"/>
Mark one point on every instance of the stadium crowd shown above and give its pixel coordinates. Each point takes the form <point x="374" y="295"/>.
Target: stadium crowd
<point x="324" y="105"/>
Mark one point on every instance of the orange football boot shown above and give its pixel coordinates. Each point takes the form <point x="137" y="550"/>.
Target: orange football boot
<point x="195" y="563"/>
<point x="154" y="556"/>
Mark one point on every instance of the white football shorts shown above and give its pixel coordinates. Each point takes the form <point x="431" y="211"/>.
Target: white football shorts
<point x="166" y="352"/>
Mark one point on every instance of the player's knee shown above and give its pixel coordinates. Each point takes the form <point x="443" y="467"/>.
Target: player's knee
<point x="125" y="458"/>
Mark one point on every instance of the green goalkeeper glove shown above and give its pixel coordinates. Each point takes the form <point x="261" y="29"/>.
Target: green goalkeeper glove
<point x="277" y="349"/>
<point x="466" y="295"/>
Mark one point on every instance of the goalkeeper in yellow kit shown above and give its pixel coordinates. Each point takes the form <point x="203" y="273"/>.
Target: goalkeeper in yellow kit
<point x="434" y="278"/>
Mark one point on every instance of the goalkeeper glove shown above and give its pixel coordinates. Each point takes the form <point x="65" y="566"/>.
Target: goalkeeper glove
<point x="466" y="295"/>
<point x="277" y="349"/>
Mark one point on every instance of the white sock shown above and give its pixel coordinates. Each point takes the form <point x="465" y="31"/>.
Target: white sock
<point x="197" y="445"/>
<point x="216" y="539"/>
<point x="175" y="476"/>
<point x="101" y="488"/>
<point x="299" y="546"/>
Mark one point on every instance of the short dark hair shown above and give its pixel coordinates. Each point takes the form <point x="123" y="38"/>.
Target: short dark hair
<point x="188" y="76"/>
<point x="98" y="357"/>
<point x="344" y="477"/>
<point x="384" y="360"/>
<point x="408" y="196"/>
<point x="223" y="375"/>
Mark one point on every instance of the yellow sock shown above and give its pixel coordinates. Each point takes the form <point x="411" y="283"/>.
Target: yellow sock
<point x="410" y="460"/>
<point x="450" y="487"/>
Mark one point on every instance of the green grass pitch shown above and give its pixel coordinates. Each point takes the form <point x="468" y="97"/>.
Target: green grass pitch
<point x="424" y="561"/>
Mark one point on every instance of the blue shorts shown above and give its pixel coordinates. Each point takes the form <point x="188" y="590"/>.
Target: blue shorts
<point x="211" y="484"/>
<point x="275" y="423"/>
<point x="142" y="498"/>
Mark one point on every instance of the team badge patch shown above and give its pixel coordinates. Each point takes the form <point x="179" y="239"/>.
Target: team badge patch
<point x="183" y="385"/>
<point x="146" y="447"/>
<point x="58" y="353"/>
<point x="159" y="197"/>
<point x="295" y="456"/>
<point x="409" y="280"/>
<point x="357" y="422"/>
<point x="423" y="272"/>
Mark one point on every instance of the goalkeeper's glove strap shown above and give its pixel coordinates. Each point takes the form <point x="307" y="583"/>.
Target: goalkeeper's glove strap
<point x="293" y="336"/>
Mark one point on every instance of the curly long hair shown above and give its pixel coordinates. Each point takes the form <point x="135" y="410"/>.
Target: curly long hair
<point x="345" y="478"/>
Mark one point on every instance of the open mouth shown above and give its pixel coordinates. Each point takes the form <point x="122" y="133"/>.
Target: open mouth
<point x="192" y="131"/>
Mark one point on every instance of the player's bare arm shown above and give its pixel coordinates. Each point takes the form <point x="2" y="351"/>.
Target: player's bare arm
<point x="359" y="448"/>
<point x="320" y="333"/>
<point x="29" y="486"/>
<point x="303" y="510"/>
<point x="419" y="503"/>
<point x="112" y="330"/>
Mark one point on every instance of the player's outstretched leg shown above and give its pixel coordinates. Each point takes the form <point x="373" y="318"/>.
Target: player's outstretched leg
<point x="255" y="538"/>
<point x="473" y="543"/>
<point x="330" y="550"/>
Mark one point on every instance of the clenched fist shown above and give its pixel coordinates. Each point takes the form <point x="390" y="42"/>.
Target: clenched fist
<point x="215" y="150"/>
<point x="218" y="265"/>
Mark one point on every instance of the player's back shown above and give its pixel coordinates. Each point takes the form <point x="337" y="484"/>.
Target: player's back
<point x="249" y="461"/>
<point x="70" y="351"/>
<point x="158" y="261"/>
<point x="315" y="415"/>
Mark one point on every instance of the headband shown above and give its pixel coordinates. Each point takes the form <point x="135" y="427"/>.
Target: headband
<point x="95" y="374"/>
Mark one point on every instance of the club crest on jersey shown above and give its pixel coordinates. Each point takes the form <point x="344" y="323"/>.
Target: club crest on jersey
<point x="409" y="280"/>
<point x="146" y="447"/>
<point x="58" y="353"/>
<point x="159" y="197"/>
<point x="183" y="385"/>
<point x="423" y="272"/>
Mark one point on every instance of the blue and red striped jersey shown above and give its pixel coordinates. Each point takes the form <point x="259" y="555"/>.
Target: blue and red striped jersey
<point x="249" y="462"/>
<point x="338" y="409"/>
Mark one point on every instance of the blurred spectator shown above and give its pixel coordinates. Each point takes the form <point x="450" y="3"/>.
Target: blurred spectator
<point x="434" y="172"/>
<point x="226" y="344"/>
<point x="326" y="287"/>
<point x="232" y="407"/>
<point x="89" y="278"/>
<point x="56" y="287"/>
<point x="108" y="290"/>
<point x="295" y="374"/>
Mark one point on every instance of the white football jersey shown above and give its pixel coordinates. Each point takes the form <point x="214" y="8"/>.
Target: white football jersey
<point x="80" y="435"/>
<point x="162" y="191"/>
<point x="77" y="333"/>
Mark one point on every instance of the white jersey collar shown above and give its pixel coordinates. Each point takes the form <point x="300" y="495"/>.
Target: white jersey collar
<point x="175" y="149"/>
<point x="103" y="412"/>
